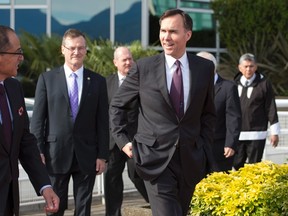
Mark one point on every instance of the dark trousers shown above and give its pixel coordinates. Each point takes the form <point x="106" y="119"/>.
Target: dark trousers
<point x="82" y="190"/>
<point x="251" y="149"/>
<point x="169" y="195"/>
<point x="6" y="200"/>
<point x="113" y="181"/>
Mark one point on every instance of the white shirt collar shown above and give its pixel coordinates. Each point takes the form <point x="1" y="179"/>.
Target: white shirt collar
<point x="68" y="72"/>
<point x="120" y="76"/>
<point x="171" y="60"/>
<point x="243" y="80"/>
<point x="215" y="78"/>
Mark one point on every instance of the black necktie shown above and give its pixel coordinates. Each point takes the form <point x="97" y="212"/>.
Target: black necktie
<point x="6" y="119"/>
<point x="176" y="91"/>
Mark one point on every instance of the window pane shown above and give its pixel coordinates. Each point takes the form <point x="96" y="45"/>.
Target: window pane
<point x="27" y="2"/>
<point x="5" y="17"/>
<point x="25" y="21"/>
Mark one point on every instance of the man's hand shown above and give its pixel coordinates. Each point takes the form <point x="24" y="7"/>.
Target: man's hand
<point x="228" y="152"/>
<point x="127" y="149"/>
<point x="274" y="140"/>
<point x="100" y="166"/>
<point x="52" y="200"/>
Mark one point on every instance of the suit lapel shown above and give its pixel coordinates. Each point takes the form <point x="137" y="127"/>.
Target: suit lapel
<point x="218" y="85"/>
<point x="85" y="87"/>
<point x="115" y="84"/>
<point x="16" y="107"/>
<point x="63" y="84"/>
<point x="160" y="77"/>
<point x="193" y="77"/>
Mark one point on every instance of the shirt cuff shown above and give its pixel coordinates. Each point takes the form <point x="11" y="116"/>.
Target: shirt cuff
<point x="44" y="187"/>
<point x="275" y="129"/>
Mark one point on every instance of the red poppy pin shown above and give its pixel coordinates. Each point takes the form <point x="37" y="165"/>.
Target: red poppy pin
<point x="20" y="111"/>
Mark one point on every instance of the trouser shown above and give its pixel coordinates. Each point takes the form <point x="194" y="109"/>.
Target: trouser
<point x="249" y="149"/>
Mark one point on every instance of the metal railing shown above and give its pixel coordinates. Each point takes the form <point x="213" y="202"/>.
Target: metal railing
<point x="277" y="155"/>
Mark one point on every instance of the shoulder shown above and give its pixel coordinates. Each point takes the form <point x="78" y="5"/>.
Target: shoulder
<point x="199" y="62"/>
<point x="12" y="84"/>
<point x="93" y="76"/>
<point x="53" y="72"/>
<point x="151" y="59"/>
<point x="111" y="77"/>
<point x="229" y="83"/>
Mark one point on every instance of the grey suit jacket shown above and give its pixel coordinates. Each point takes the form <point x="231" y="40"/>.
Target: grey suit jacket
<point x="160" y="131"/>
<point x="23" y="147"/>
<point x="58" y="137"/>
<point x="228" y="112"/>
<point x="132" y="115"/>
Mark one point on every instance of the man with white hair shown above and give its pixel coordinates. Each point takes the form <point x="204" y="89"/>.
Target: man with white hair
<point x="228" y="113"/>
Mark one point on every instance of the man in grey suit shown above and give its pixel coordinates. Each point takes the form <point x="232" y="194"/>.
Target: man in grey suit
<point x="113" y="180"/>
<point x="228" y="124"/>
<point x="71" y="123"/>
<point x="172" y="146"/>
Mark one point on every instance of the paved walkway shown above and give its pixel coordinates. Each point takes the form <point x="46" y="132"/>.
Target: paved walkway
<point x="98" y="209"/>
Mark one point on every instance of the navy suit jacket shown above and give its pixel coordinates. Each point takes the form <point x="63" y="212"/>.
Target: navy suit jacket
<point x="23" y="147"/>
<point x="160" y="131"/>
<point x="228" y="112"/>
<point x="132" y="115"/>
<point x="58" y="137"/>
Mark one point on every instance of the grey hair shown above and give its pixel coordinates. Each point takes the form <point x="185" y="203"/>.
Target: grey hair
<point x="247" y="57"/>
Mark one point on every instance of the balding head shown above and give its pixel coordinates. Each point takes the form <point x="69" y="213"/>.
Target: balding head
<point x="208" y="56"/>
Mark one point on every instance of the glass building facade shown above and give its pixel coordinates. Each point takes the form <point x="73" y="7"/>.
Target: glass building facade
<point x="121" y="21"/>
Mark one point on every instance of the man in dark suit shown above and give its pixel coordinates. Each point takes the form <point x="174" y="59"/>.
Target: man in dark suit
<point x="72" y="137"/>
<point x="228" y="113"/>
<point x="172" y="146"/>
<point x="113" y="180"/>
<point x="16" y="141"/>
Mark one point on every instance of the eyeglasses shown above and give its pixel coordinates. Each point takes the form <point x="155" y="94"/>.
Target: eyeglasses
<point x="73" y="49"/>
<point x="18" y="52"/>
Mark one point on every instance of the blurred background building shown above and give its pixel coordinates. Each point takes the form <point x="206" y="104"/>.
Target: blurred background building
<point x="121" y="21"/>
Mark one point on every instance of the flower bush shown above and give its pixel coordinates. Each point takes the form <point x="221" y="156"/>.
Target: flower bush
<point x="256" y="190"/>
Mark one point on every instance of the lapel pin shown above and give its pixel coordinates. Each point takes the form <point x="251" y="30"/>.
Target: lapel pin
<point x="20" y="111"/>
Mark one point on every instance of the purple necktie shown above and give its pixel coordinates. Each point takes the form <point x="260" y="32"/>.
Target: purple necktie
<point x="176" y="91"/>
<point x="6" y="118"/>
<point x="74" y="95"/>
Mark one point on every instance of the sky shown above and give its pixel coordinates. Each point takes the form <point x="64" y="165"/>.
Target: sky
<point x="73" y="11"/>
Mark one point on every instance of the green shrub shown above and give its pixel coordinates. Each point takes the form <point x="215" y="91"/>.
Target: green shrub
<point x="256" y="190"/>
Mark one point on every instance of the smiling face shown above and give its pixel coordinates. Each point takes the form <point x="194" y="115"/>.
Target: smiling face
<point x="74" y="51"/>
<point x="9" y="63"/>
<point x="174" y="36"/>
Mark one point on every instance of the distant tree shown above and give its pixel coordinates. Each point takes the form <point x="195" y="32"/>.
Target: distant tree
<point x="43" y="53"/>
<point x="259" y="27"/>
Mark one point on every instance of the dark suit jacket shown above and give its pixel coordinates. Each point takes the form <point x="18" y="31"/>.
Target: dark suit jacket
<point x="228" y="112"/>
<point x="132" y="115"/>
<point x="23" y="147"/>
<point x="159" y="130"/>
<point x="52" y="123"/>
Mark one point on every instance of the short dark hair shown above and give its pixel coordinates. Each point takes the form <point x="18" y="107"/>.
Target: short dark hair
<point x="72" y="33"/>
<point x="187" y="20"/>
<point x="4" y="39"/>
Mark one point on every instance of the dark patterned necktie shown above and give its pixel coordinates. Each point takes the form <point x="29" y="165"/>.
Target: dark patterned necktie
<point x="176" y="91"/>
<point x="74" y="96"/>
<point x="6" y="118"/>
